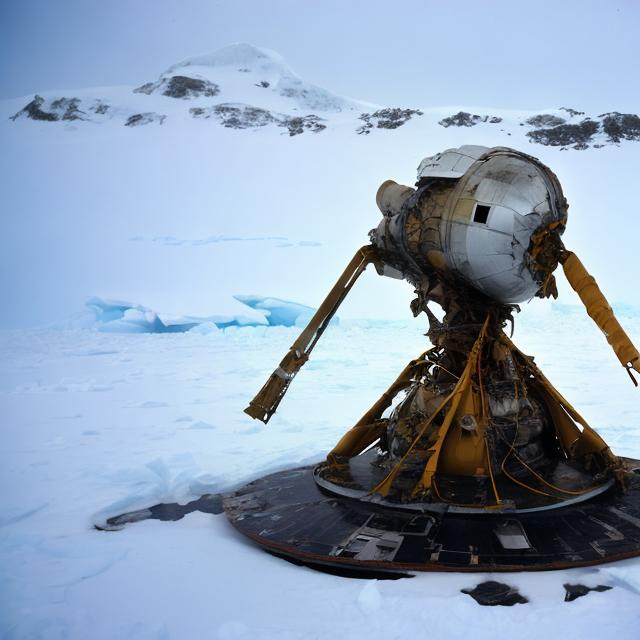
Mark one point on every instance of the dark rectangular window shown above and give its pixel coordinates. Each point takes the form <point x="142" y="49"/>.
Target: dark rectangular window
<point x="481" y="214"/>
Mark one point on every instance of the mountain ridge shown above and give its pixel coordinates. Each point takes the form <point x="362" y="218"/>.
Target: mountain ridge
<point x="242" y="86"/>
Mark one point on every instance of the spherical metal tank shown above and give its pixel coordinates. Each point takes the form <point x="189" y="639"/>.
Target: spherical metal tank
<point x="474" y="215"/>
<point x="487" y="226"/>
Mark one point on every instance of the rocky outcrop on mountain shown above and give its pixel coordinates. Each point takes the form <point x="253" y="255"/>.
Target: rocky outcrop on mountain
<point x="390" y="118"/>
<point x="544" y="120"/>
<point x="100" y="107"/>
<point x="465" y="119"/>
<point x="139" y="119"/>
<point x="565" y="135"/>
<point x="607" y="128"/>
<point x="51" y="110"/>
<point x="235" y="116"/>
<point x="572" y="112"/>
<point x="62" y="109"/>
<point x="245" y="116"/>
<point x="298" y="125"/>
<point x="244" y="87"/>
<point x="182" y="87"/>
<point x="620" y="126"/>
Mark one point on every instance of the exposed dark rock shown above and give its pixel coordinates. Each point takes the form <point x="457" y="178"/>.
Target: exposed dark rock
<point x="244" y="116"/>
<point x="465" y="119"/>
<point x="389" y="118"/>
<point x="236" y="116"/>
<point x="263" y="83"/>
<point x="493" y="593"/>
<point x="139" y="119"/>
<point x="572" y="112"/>
<point x="100" y="107"/>
<point x="573" y="591"/>
<point x="185" y="87"/>
<point x="301" y="124"/>
<point x="34" y="111"/>
<point x="147" y="87"/>
<point x="57" y="109"/>
<point x="565" y="135"/>
<point x="68" y="107"/>
<point x="181" y="87"/>
<point x="545" y="120"/>
<point x="620" y="126"/>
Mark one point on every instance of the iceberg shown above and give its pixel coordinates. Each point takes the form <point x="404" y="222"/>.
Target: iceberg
<point x="281" y="313"/>
<point x="118" y="316"/>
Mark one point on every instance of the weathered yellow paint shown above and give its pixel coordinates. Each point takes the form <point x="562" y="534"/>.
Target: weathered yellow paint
<point x="600" y="310"/>
<point x="268" y="398"/>
<point x="366" y="431"/>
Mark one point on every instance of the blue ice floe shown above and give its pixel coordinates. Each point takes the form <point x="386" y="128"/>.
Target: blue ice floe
<point x="279" y="313"/>
<point x="125" y="317"/>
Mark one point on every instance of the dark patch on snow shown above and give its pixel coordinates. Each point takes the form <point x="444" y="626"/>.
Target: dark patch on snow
<point x="493" y="593"/>
<point x="465" y="119"/>
<point x="545" y="120"/>
<point x="181" y="87"/>
<point x="68" y="107"/>
<point x="34" y="111"/>
<point x="209" y="503"/>
<point x="185" y="87"/>
<point x="572" y="112"/>
<point x="244" y="116"/>
<point x="147" y="88"/>
<point x="100" y="107"/>
<point x="298" y="125"/>
<point x="264" y="84"/>
<point x="564" y="135"/>
<point x="139" y="119"/>
<point x="620" y="126"/>
<point x="390" y="118"/>
<point x="236" y="116"/>
<point x="57" y="109"/>
<point x="573" y="591"/>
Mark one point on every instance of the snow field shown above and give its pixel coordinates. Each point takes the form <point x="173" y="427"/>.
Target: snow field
<point x="97" y="424"/>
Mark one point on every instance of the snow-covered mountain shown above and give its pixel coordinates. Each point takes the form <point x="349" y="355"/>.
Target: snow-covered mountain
<point x="245" y="87"/>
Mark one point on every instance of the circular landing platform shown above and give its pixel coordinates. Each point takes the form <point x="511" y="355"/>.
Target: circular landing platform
<point x="288" y="514"/>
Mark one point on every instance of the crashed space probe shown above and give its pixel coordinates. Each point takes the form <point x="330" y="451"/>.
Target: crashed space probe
<point x="471" y="460"/>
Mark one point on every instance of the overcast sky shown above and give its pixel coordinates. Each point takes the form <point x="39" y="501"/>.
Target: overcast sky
<point x="511" y="54"/>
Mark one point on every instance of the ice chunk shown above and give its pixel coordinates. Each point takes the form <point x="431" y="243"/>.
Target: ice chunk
<point x="118" y="316"/>
<point x="281" y="313"/>
<point x="125" y="317"/>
